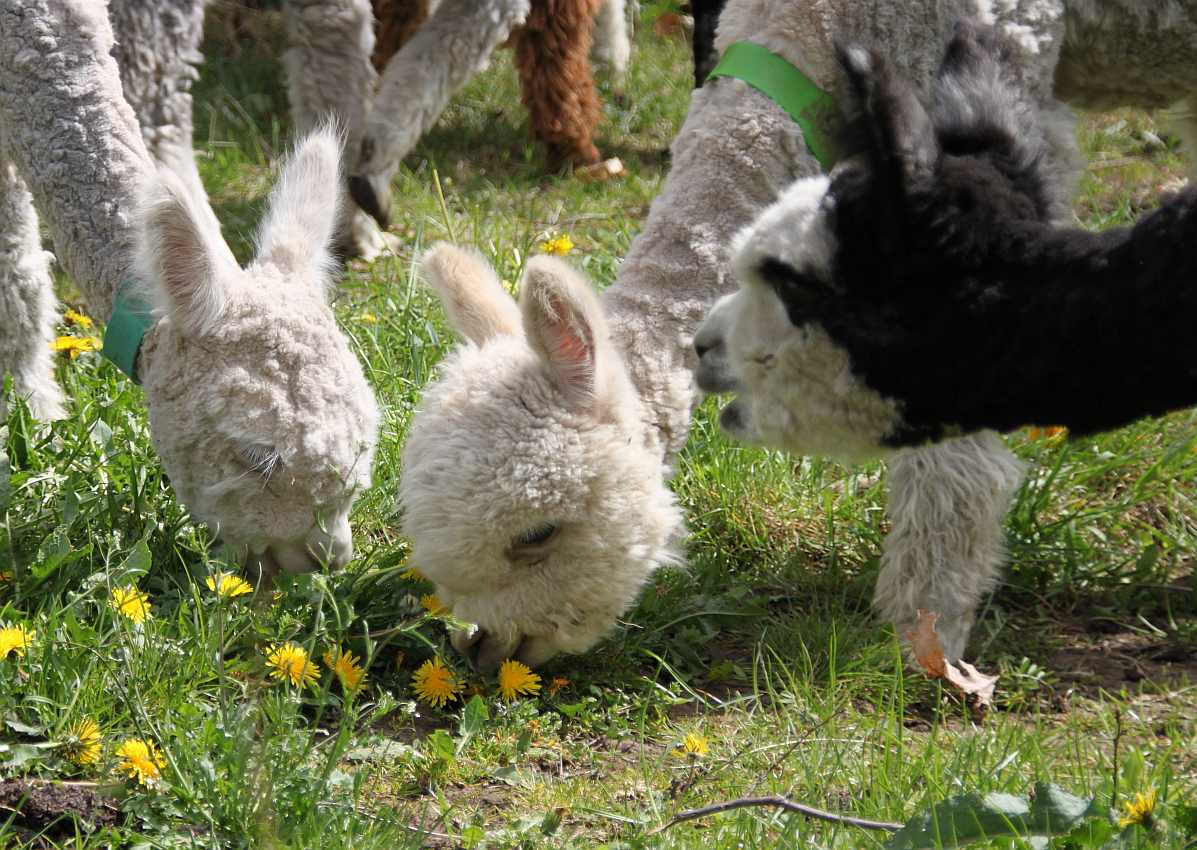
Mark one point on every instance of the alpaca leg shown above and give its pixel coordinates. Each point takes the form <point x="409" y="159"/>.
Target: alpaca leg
<point x="454" y="44"/>
<point x="612" y="42"/>
<point x="157" y="49"/>
<point x="944" y="550"/>
<point x="329" y="77"/>
<point x="552" y="54"/>
<point x="27" y="302"/>
<point x="397" y="22"/>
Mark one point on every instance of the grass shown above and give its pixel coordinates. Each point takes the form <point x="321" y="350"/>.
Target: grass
<point x="764" y="645"/>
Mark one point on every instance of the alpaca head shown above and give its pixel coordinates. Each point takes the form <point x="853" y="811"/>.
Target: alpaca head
<point x="258" y="408"/>
<point x="845" y="273"/>
<point x="529" y="489"/>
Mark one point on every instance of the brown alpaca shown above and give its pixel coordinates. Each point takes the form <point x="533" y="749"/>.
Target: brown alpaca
<point x="552" y="57"/>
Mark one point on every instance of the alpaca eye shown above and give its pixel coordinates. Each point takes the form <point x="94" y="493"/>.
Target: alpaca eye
<point x="537" y="535"/>
<point x="261" y="459"/>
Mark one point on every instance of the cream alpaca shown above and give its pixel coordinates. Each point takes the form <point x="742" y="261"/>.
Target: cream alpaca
<point x="259" y="409"/>
<point x="533" y="474"/>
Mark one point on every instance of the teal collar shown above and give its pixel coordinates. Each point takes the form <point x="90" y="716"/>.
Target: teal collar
<point x="811" y="108"/>
<point x="131" y="319"/>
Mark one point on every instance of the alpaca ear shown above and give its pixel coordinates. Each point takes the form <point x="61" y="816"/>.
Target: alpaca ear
<point x="476" y="303"/>
<point x="304" y="205"/>
<point x="565" y="325"/>
<point x="901" y="132"/>
<point x="181" y="254"/>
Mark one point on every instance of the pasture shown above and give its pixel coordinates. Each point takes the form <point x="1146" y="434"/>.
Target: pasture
<point x="757" y="670"/>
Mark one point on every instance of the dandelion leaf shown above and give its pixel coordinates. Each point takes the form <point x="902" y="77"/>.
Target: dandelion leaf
<point x="969" y="818"/>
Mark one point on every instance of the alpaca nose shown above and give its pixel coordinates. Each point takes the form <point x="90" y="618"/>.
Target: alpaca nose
<point x="701" y="347"/>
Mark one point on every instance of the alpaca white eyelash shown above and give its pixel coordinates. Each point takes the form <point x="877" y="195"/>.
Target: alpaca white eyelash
<point x="263" y="460"/>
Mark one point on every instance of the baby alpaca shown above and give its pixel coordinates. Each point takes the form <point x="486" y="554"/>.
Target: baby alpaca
<point x="923" y="293"/>
<point x="257" y="406"/>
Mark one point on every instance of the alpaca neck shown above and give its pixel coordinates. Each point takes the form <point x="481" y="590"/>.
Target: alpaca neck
<point x="73" y="137"/>
<point x="736" y="151"/>
<point x="1107" y="321"/>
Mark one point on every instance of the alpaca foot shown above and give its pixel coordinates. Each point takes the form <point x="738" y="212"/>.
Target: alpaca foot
<point x="367" y="241"/>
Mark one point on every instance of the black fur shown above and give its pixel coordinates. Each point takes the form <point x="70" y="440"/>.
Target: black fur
<point x="706" y="18"/>
<point x="954" y="294"/>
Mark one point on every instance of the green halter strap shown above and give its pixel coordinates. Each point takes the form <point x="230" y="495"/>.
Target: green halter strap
<point x="131" y="319"/>
<point x="810" y="107"/>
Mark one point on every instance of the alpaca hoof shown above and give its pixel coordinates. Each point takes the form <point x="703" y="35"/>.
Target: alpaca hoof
<point x="363" y="194"/>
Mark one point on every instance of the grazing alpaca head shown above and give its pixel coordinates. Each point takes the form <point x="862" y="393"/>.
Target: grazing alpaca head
<point x="880" y="253"/>
<point x="258" y="408"/>
<point x="532" y="494"/>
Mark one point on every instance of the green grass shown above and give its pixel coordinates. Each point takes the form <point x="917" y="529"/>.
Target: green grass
<point x="765" y="644"/>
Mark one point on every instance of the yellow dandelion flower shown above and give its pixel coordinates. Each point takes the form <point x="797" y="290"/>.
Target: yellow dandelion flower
<point x="75" y="345"/>
<point x="1140" y="810"/>
<point x="516" y="679"/>
<point x="15" y="640"/>
<point x="368" y="318"/>
<point x="414" y="574"/>
<point x="83" y="742"/>
<point x="141" y="760"/>
<point x="558" y="245"/>
<point x="558" y="683"/>
<point x="78" y="319"/>
<point x="693" y="745"/>
<point x="131" y="602"/>
<point x="6" y="576"/>
<point x="229" y="585"/>
<point x="347" y="668"/>
<point x="435" y="684"/>
<point x="431" y="603"/>
<point x="1048" y="433"/>
<point x="290" y="662"/>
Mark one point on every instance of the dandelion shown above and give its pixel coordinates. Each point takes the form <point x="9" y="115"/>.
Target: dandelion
<point x="431" y="603"/>
<point x="229" y="585"/>
<point x="131" y="602"/>
<point x="1140" y="810"/>
<point x="558" y="683"/>
<point x="516" y="679"/>
<point x="75" y="345"/>
<point x="347" y="667"/>
<point x="1048" y="433"/>
<point x="141" y="760"/>
<point x="413" y="574"/>
<point x="435" y="684"/>
<point x="290" y="662"/>
<point x="15" y="639"/>
<point x="368" y="318"/>
<point x="693" y="745"/>
<point x="558" y="245"/>
<point x="6" y="576"/>
<point x="78" y="319"/>
<point x="83" y="742"/>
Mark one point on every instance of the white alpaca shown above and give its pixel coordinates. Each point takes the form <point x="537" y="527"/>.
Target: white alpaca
<point x="257" y="406"/>
<point x="533" y="481"/>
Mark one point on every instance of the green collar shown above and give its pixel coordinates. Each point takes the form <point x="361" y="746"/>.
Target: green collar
<point x="811" y="108"/>
<point x="131" y="319"/>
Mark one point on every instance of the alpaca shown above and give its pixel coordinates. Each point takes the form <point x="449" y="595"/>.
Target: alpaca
<point x="534" y="473"/>
<point x="456" y="42"/>
<point x="921" y="292"/>
<point x="257" y="406"/>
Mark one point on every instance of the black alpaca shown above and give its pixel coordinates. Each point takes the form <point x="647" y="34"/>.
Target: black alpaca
<point x="953" y="293"/>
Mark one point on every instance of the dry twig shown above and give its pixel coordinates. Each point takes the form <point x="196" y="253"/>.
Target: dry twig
<point x="777" y="803"/>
